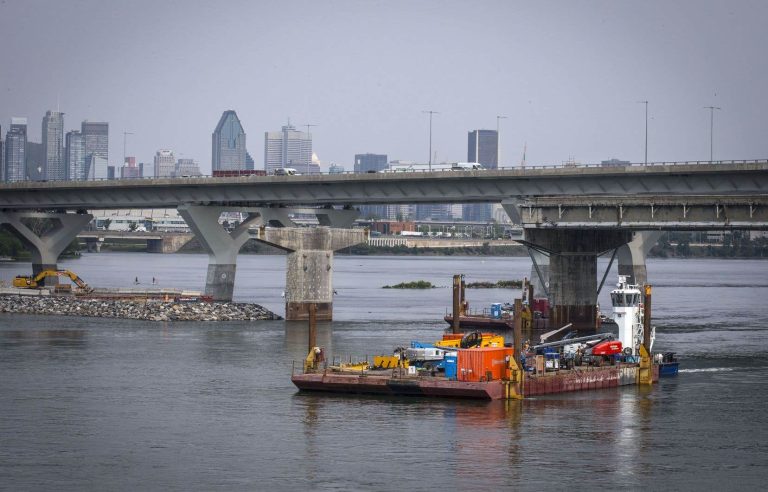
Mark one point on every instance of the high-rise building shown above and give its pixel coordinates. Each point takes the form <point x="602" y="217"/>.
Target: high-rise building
<point x="75" y="156"/>
<point x="483" y="147"/>
<point x="98" y="167"/>
<point x="165" y="163"/>
<point x="96" y="135"/>
<point x="16" y="150"/>
<point x="35" y="161"/>
<point x="129" y="169"/>
<point x="2" y="156"/>
<point x="228" y="144"/>
<point x="288" y="148"/>
<point x="186" y="167"/>
<point x="55" y="167"/>
<point x="370" y="163"/>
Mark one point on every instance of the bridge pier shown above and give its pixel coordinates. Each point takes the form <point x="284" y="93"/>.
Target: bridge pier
<point x="539" y="273"/>
<point x="222" y="246"/>
<point x="632" y="256"/>
<point x="573" y="270"/>
<point x="45" y="235"/>
<point x="93" y="244"/>
<point x="309" y="273"/>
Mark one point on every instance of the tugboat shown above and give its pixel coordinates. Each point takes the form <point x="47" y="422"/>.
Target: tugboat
<point x="628" y="315"/>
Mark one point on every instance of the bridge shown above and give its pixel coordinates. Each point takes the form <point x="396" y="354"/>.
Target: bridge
<point x="570" y="215"/>
<point x="157" y="242"/>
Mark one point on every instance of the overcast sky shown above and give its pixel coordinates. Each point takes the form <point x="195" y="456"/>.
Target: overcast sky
<point x="567" y="74"/>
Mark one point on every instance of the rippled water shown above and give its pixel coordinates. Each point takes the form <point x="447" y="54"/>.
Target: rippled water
<point x="88" y="403"/>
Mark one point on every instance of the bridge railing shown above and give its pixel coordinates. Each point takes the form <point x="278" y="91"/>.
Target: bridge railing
<point x="567" y="165"/>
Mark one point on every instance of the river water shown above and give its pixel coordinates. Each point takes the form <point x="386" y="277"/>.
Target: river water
<point x="90" y="403"/>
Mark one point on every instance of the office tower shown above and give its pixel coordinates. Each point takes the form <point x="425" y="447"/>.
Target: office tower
<point x="186" y="167"/>
<point x="250" y="164"/>
<point x="75" y="156"/>
<point x="54" y="166"/>
<point x="370" y="163"/>
<point x="35" y="161"/>
<point x="482" y="147"/>
<point x="98" y="167"/>
<point x="288" y="148"/>
<point x="228" y="144"/>
<point x="165" y="163"/>
<point x="16" y="150"/>
<point x="96" y="135"/>
<point x="2" y="156"/>
<point x="129" y="169"/>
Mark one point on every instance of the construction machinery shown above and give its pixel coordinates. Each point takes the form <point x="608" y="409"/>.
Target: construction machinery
<point x="36" y="281"/>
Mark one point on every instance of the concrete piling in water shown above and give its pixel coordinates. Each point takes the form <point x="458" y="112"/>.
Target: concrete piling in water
<point x="457" y="301"/>
<point x="309" y="272"/>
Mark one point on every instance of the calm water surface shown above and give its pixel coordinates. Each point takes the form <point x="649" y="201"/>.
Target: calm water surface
<point x="89" y="403"/>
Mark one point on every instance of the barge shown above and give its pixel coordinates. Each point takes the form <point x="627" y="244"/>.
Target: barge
<point x="479" y="367"/>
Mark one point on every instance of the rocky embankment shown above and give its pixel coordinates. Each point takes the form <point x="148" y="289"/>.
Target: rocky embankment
<point x="151" y="310"/>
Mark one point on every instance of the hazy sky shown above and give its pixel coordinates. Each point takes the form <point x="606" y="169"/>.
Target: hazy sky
<point x="568" y="74"/>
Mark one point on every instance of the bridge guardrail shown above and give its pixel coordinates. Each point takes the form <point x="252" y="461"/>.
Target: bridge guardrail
<point x="410" y="171"/>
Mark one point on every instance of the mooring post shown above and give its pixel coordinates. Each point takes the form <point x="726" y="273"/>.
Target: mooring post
<point x="518" y="331"/>
<point x="457" y="290"/>
<point x="647" y="318"/>
<point x="312" y="326"/>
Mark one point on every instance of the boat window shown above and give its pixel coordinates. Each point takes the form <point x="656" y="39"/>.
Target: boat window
<point x="614" y="299"/>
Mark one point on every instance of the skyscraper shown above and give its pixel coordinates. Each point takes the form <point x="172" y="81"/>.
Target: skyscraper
<point x="165" y="163"/>
<point x="288" y="148"/>
<point x="54" y="166"/>
<point x="186" y="167"/>
<point x="483" y="147"/>
<point x="75" y="156"/>
<point x="129" y="169"/>
<point x="2" y="156"/>
<point x="365" y="163"/>
<point x="96" y="135"/>
<point x="228" y="152"/>
<point x="16" y="150"/>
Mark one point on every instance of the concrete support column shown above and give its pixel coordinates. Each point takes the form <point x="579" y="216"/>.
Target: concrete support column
<point x="59" y="230"/>
<point x="573" y="270"/>
<point x="309" y="273"/>
<point x="539" y="273"/>
<point x="632" y="256"/>
<point x="222" y="246"/>
<point x="93" y="244"/>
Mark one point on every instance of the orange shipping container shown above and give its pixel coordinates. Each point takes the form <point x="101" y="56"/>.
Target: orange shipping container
<point x="483" y="364"/>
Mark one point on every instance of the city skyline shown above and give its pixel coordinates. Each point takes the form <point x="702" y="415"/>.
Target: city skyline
<point x="567" y="77"/>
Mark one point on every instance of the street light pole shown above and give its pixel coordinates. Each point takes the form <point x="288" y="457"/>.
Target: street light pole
<point x="711" y="128"/>
<point x="430" y="135"/>
<point x="646" y="129"/>
<point x="498" y="140"/>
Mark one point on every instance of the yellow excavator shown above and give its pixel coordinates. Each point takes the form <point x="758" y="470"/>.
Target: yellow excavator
<point x="35" y="282"/>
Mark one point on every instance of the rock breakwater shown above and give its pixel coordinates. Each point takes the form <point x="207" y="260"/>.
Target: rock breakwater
<point x="151" y="310"/>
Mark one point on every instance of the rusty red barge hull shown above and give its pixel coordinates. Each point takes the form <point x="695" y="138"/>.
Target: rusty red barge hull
<point x="583" y="379"/>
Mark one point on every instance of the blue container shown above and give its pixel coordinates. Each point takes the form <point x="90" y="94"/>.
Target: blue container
<point x="496" y="310"/>
<point x="451" y="366"/>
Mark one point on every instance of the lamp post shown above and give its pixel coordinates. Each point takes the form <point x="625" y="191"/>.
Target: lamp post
<point x="711" y="128"/>
<point x="430" y="135"/>
<point x="645" y="161"/>
<point x="498" y="140"/>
